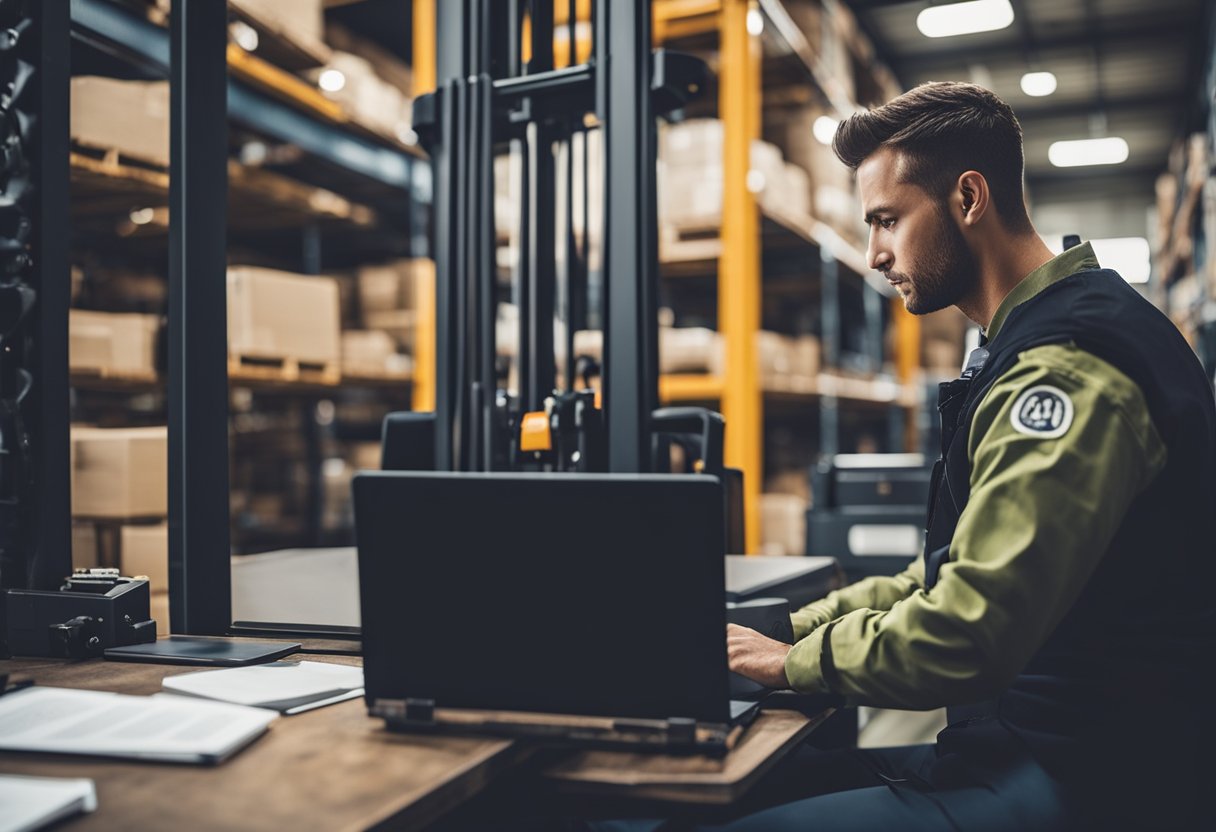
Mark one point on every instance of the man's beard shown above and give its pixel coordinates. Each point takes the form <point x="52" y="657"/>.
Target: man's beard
<point x="944" y="273"/>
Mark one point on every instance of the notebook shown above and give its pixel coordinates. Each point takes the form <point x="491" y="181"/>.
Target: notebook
<point x="589" y="595"/>
<point x="30" y="803"/>
<point x="161" y="727"/>
<point x="286" y="687"/>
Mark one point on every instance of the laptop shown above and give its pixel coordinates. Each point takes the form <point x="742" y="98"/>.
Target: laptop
<point x="594" y="599"/>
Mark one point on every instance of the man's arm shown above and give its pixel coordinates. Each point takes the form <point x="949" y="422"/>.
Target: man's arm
<point x="879" y="592"/>
<point x="1043" y="510"/>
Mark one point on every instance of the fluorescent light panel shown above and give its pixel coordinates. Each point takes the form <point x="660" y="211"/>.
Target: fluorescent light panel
<point x="1071" y="154"/>
<point x="1038" y="83"/>
<point x="331" y="80"/>
<point x="1129" y="256"/>
<point x="964" y="18"/>
<point x="824" y="129"/>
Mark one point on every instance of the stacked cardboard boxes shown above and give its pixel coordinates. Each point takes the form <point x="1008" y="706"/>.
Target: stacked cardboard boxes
<point x="691" y="177"/>
<point x="120" y="473"/>
<point x="277" y="315"/>
<point x="112" y="343"/>
<point x="943" y="335"/>
<point x="782" y="524"/>
<point x="388" y="297"/>
<point x="141" y="132"/>
<point x="300" y="20"/>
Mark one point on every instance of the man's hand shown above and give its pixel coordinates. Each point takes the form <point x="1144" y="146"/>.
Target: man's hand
<point x="757" y="657"/>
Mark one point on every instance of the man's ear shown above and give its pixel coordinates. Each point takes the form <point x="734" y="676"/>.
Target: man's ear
<point x="972" y="196"/>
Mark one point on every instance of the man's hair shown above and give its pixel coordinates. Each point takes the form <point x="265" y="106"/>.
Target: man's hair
<point x="942" y="129"/>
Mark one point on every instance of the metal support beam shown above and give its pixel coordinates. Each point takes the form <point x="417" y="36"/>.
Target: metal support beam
<point x="829" y="318"/>
<point x="537" y="311"/>
<point x="739" y="266"/>
<point x="199" y="566"/>
<point x="47" y="416"/>
<point x="623" y="104"/>
<point x="103" y="22"/>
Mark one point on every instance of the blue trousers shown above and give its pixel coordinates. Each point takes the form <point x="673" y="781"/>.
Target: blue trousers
<point x="903" y="788"/>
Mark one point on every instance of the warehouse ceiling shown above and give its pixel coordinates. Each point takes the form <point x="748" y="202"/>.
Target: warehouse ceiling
<point x="1129" y="68"/>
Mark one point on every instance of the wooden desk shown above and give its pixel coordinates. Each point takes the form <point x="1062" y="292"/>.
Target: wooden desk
<point x="328" y="769"/>
<point x="336" y="769"/>
<point x="686" y="780"/>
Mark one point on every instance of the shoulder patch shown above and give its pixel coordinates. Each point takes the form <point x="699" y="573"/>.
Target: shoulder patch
<point x="1042" y="411"/>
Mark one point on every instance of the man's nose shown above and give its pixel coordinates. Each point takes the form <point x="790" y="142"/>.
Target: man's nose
<point x="878" y="259"/>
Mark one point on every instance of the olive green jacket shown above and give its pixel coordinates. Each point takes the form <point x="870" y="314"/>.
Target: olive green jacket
<point x="1043" y="510"/>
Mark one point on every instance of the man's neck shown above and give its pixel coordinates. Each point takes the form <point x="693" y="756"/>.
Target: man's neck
<point x="1002" y="267"/>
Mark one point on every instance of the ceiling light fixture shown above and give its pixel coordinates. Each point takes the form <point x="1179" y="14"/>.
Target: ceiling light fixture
<point x="1129" y="256"/>
<point x="331" y="80"/>
<point x="1076" y="153"/>
<point x="824" y="129"/>
<point x="1038" y="84"/>
<point x="964" y="18"/>
<point x="142" y="216"/>
<point x="755" y="22"/>
<point x="245" y="35"/>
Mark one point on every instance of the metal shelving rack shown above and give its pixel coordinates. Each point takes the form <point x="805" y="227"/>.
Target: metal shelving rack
<point x="741" y="393"/>
<point x="223" y="85"/>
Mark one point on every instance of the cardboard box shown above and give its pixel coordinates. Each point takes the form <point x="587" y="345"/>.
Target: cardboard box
<point x="806" y="355"/>
<point x="145" y="551"/>
<point x="398" y="324"/>
<point x="297" y="19"/>
<point x="120" y="472"/>
<point x="84" y="546"/>
<point x="129" y="116"/>
<point x="774" y="355"/>
<point x="279" y="315"/>
<point x="106" y="341"/>
<point x="782" y="524"/>
<point x="690" y="176"/>
<point x="367" y="351"/>
<point x="365" y="456"/>
<point x="691" y="350"/>
<point x="681" y="349"/>
<point x="368" y="98"/>
<point x="159" y="608"/>
<point x="943" y="358"/>
<point x="392" y="286"/>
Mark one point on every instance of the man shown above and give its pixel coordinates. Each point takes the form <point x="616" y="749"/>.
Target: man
<point x="1063" y="607"/>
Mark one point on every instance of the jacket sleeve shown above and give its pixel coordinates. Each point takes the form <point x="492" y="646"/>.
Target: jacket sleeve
<point x="879" y="592"/>
<point x="1051" y="478"/>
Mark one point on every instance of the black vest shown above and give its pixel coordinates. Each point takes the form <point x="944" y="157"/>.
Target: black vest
<point x="1142" y="629"/>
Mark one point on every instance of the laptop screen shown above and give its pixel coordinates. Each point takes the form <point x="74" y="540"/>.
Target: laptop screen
<point x="577" y="594"/>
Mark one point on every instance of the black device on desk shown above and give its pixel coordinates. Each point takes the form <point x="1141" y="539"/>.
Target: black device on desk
<point x="869" y="511"/>
<point x="93" y="610"/>
<point x="590" y="595"/>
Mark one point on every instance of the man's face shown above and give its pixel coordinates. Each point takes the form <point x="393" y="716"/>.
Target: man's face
<point x="913" y="240"/>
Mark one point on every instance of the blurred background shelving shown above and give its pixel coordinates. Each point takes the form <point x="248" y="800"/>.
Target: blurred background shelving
<point x="769" y="310"/>
<point x="328" y="201"/>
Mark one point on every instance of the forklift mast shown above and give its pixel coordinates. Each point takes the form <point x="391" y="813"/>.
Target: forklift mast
<point x="499" y="87"/>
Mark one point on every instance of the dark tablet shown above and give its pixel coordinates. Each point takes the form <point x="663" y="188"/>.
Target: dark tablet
<point x="225" y="652"/>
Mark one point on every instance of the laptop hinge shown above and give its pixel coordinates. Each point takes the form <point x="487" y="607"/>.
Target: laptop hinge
<point x="681" y="731"/>
<point x="420" y="711"/>
<point x="413" y="711"/>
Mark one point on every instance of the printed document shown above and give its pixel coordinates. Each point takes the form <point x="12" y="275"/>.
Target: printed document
<point x="168" y="728"/>
<point x="284" y="686"/>
<point x="29" y="803"/>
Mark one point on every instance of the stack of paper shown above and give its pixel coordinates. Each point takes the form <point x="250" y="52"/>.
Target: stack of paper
<point x="34" y="802"/>
<point x="169" y="728"/>
<point x="287" y="687"/>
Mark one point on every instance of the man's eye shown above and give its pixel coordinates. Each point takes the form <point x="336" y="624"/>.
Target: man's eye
<point x="886" y="223"/>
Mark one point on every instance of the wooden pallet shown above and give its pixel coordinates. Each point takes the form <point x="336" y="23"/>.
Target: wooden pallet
<point x="115" y="160"/>
<point x="290" y="371"/>
<point x="107" y="377"/>
<point x="689" y="244"/>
